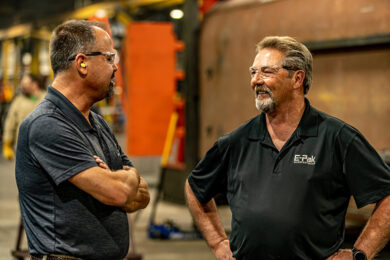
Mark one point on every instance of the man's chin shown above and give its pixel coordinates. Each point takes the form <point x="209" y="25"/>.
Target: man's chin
<point x="266" y="106"/>
<point x="110" y="91"/>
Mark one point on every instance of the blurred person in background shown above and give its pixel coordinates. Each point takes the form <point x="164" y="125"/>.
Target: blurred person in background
<point x="32" y="93"/>
<point x="75" y="183"/>
<point x="288" y="174"/>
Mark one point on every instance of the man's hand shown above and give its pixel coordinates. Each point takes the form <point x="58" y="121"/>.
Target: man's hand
<point x="100" y="162"/>
<point x="342" y="254"/>
<point x="103" y="165"/>
<point x="222" y="251"/>
<point x="141" y="199"/>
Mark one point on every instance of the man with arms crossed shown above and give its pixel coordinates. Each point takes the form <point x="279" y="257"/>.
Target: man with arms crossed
<point x="75" y="183"/>
<point x="288" y="173"/>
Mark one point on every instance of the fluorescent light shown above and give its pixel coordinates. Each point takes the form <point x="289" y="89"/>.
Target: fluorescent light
<point x="101" y="13"/>
<point x="176" y="14"/>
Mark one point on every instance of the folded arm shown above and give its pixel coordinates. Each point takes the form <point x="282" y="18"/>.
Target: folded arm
<point x="141" y="198"/>
<point x="115" y="188"/>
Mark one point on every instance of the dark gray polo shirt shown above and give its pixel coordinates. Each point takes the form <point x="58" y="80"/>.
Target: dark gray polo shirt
<point x="291" y="204"/>
<point x="55" y="143"/>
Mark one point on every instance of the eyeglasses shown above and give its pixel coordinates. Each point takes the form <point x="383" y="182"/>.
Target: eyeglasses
<point x="111" y="57"/>
<point x="268" y="71"/>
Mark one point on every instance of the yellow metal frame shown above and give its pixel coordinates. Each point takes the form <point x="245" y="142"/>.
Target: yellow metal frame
<point x="169" y="139"/>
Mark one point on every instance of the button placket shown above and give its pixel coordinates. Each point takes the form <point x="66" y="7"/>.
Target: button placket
<point x="276" y="164"/>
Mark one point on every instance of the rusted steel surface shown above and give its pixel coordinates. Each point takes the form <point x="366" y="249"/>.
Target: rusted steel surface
<point x="353" y="85"/>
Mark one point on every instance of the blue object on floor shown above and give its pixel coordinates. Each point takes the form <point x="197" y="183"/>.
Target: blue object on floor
<point x="169" y="231"/>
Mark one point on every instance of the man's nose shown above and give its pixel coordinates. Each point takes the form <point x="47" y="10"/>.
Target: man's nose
<point x="115" y="67"/>
<point x="257" y="80"/>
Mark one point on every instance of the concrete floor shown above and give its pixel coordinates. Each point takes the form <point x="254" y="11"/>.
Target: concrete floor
<point x="148" y="248"/>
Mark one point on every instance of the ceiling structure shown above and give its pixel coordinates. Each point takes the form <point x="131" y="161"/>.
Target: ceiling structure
<point x="42" y="12"/>
<point x="15" y="12"/>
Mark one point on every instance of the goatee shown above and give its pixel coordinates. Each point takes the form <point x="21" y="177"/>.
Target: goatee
<point x="266" y="105"/>
<point x="111" y="86"/>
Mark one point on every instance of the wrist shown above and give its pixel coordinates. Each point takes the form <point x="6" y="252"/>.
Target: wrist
<point x="214" y="246"/>
<point x="358" y="254"/>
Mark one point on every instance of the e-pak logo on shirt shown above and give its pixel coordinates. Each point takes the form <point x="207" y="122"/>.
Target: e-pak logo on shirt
<point x="304" y="159"/>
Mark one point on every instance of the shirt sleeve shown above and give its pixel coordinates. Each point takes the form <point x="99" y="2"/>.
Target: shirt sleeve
<point x="125" y="159"/>
<point x="367" y="174"/>
<point x="210" y="175"/>
<point x="58" y="149"/>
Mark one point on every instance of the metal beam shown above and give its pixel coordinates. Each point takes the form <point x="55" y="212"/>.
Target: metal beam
<point x="191" y="84"/>
<point x="378" y="40"/>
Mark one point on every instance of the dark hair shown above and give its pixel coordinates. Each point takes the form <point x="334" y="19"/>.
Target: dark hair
<point x="37" y="79"/>
<point x="297" y="56"/>
<point x="69" y="39"/>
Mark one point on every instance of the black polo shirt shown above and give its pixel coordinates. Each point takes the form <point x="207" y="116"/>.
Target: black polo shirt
<point x="291" y="204"/>
<point x="55" y="143"/>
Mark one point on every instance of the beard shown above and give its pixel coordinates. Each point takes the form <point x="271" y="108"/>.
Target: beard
<point x="266" y="105"/>
<point x="111" y="86"/>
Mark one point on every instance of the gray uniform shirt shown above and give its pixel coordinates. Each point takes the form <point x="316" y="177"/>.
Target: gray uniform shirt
<point x="55" y="143"/>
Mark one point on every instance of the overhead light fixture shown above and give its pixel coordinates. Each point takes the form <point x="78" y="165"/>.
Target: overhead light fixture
<point x="101" y="13"/>
<point x="26" y="59"/>
<point x="176" y="14"/>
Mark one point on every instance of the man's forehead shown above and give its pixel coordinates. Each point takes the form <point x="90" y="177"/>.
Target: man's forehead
<point x="268" y="57"/>
<point x="102" y="37"/>
<point x="26" y="78"/>
<point x="100" y="31"/>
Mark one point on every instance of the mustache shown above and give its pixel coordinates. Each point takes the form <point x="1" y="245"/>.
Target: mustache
<point x="263" y="89"/>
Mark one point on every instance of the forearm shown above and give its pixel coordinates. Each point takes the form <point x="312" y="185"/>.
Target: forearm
<point x="376" y="233"/>
<point x="115" y="188"/>
<point x="131" y="179"/>
<point x="207" y="219"/>
<point x="138" y="196"/>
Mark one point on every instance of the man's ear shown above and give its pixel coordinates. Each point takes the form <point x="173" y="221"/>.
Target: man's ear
<point x="299" y="76"/>
<point x="81" y="64"/>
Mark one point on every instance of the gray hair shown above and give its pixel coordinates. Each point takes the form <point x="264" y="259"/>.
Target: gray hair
<point x="297" y="56"/>
<point x="69" y="39"/>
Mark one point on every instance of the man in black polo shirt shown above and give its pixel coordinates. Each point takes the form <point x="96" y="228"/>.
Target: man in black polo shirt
<point x="75" y="183"/>
<point x="288" y="173"/>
